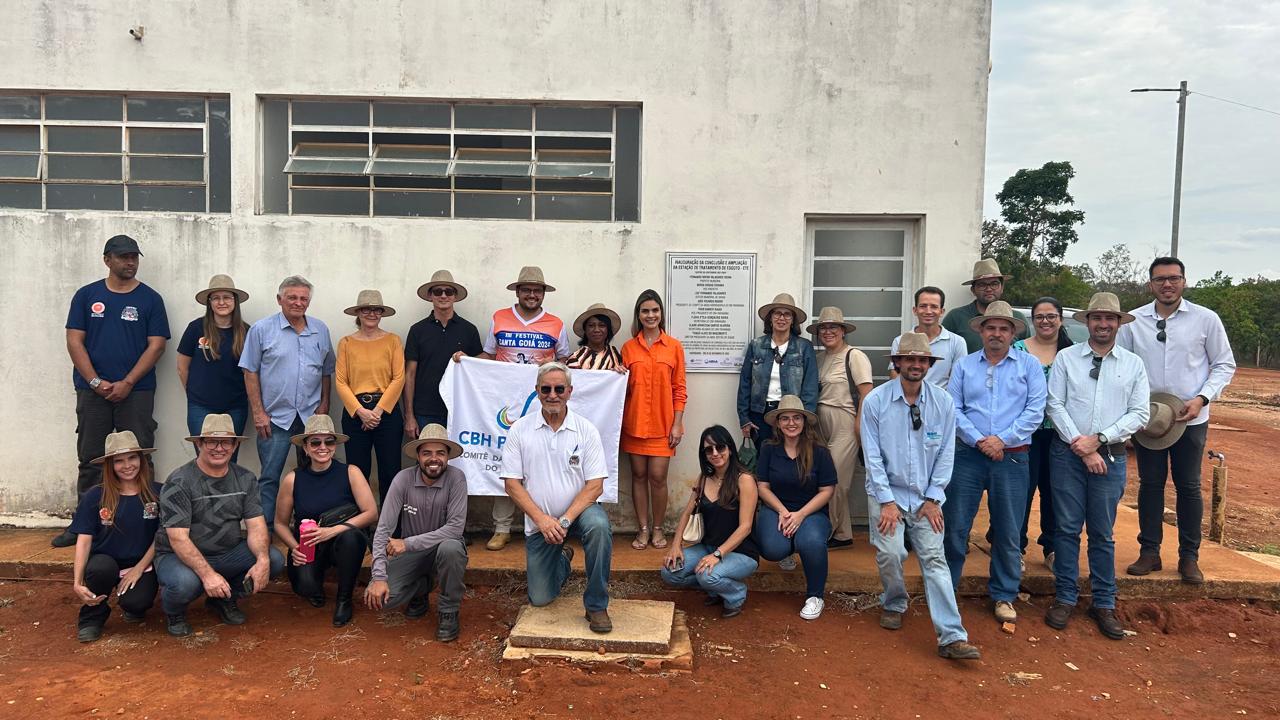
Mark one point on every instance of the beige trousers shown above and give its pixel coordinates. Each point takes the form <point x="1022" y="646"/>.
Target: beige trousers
<point x="838" y="427"/>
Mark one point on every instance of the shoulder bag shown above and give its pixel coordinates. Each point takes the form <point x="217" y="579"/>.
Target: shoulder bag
<point x="693" y="529"/>
<point x="857" y="399"/>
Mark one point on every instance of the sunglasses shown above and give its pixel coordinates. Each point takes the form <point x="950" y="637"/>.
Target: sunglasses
<point x="777" y="356"/>
<point x="318" y="442"/>
<point x="443" y="291"/>
<point x="714" y="447"/>
<point x="916" y="421"/>
<point x="1097" y="367"/>
<point x="1161" y="335"/>
<point x="991" y="376"/>
<point x="547" y="389"/>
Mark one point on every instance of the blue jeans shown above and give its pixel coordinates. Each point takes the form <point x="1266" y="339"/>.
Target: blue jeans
<point x="197" y="413"/>
<point x="1084" y="500"/>
<point x="1005" y="483"/>
<point x="810" y="541"/>
<point x="891" y="552"/>
<point x="725" y="580"/>
<point x="272" y="454"/>
<point x="548" y="569"/>
<point x="180" y="585"/>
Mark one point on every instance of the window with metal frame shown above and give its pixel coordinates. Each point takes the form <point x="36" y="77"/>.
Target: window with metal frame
<point x="127" y="152"/>
<point x="435" y="158"/>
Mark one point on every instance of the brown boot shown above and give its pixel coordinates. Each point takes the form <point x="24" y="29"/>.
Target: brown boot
<point x="1146" y="564"/>
<point x="1189" y="569"/>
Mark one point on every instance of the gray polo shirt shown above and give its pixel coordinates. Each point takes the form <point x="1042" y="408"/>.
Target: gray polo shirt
<point x="427" y="514"/>
<point x="211" y="508"/>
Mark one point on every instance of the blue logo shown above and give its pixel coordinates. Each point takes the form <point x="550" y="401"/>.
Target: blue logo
<point x="505" y="421"/>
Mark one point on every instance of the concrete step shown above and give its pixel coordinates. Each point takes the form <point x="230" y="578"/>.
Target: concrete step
<point x="639" y="626"/>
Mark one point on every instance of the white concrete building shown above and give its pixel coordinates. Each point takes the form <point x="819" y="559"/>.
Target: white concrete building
<point x="794" y="130"/>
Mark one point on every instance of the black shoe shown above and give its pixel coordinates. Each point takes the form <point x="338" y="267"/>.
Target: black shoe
<point x="316" y="601"/>
<point x="135" y="619"/>
<point x="1058" y="615"/>
<point x="1108" y="623"/>
<point x="834" y="544"/>
<point x="447" y="630"/>
<point x="1146" y="564"/>
<point x="598" y="621"/>
<point x="729" y="612"/>
<point x="567" y="551"/>
<point x="890" y="620"/>
<point x="342" y="611"/>
<point x="1190" y="571"/>
<point x="418" y="607"/>
<point x="66" y="538"/>
<point x="177" y="625"/>
<point x="711" y="600"/>
<point x="89" y="633"/>
<point x="226" y="610"/>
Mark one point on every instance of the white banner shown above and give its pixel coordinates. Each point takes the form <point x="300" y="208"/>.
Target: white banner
<point x="485" y="397"/>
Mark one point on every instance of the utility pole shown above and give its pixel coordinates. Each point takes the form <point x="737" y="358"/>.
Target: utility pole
<point x="1177" y="167"/>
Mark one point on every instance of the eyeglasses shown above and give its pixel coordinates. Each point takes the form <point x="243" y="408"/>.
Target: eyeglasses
<point x="371" y="310"/>
<point x="988" y="284"/>
<point x="220" y="443"/>
<point x="715" y="448"/>
<point x="1046" y="318"/>
<point x="916" y="420"/>
<point x="547" y="389"/>
<point x="1161" y="335"/>
<point x="1097" y="367"/>
<point x="1167" y="280"/>
<point x="443" y="291"/>
<point x="322" y="442"/>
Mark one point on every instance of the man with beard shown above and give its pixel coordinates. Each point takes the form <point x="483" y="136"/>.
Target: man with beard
<point x="987" y="286"/>
<point x="429" y="504"/>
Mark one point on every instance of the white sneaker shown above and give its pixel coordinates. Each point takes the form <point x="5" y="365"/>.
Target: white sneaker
<point x="812" y="608"/>
<point x="789" y="563"/>
<point x="1005" y="612"/>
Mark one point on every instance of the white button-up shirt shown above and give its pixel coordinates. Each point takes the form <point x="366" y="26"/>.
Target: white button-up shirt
<point x="948" y="347"/>
<point x="1117" y="404"/>
<point x="554" y="464"/>
<point x="1195" y="358"/>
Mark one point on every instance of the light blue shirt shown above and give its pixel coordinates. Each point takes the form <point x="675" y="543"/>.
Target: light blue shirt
<point x="291" y="366"/>
<point x="1005" y="399"/>
<point x="948" y="347"/>
<point x="1117" y="404"/>
<point x="905" y="465"/>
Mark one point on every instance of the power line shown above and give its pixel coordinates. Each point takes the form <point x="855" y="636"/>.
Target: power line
<point x="1233" y="102"/>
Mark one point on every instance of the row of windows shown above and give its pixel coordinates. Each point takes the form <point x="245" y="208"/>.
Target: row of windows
<point x="323" y="157"/>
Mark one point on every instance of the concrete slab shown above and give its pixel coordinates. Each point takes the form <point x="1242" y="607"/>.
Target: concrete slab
<point x="678" y="659"/>
<point x="639" y="626"/>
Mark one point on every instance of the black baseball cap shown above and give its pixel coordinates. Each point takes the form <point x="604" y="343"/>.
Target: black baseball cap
<point x="120" y="245"/>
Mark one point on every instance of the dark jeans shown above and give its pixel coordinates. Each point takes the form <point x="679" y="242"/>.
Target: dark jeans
<point x="1085" y="501"/>
<point x="764" y="430"/>
<point x="810" y="542"/>
<point x="384" y="440"/>
<point x="101" y="576"/>
<point x="547" y="569"/>
<point x="97" y="417"/>
<point x="182" y="585"/>
<point x="344" y="552"/>
<point x="1040" y="462"/>
<point x="1005" y="484"/>
<point x="1183" y="457"/>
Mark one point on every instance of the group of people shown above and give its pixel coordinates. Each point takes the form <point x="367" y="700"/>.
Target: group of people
<point x="967" y="411"/>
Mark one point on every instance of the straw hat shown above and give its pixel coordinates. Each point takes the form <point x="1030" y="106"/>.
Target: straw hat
<point x="790" y="403"/>
<point x="1103" y="302"/>
<point x="531" y="275"/>
<point x="217" y="426"/>
<point x="370" y="298"/>
<point x="830" y="315"/>
<point x="318" y="425"/>
<point x="782" y="300"/>
<point x="998" y="310"/>
<point x="596" y="309"/>
<point x="913" y="344"/>
<point x="1163" y="429"/>
<point x="121" y="443"/>
<point x="433" y="433"/>
<point x="441" y="277"/>
<point x="985" y="269"/>
<point x="221" y="282"/>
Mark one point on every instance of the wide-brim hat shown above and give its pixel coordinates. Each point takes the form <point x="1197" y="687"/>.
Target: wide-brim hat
<point x="531" y="275"/>
<point x="318" y="425"/>
<point x="1163" y="429"/>
<point x="790" y="403"/>
<point x="441" y="277"/>
<point x="595" y="309"/>
<point x="986" y="269"/>
<point x="218" y="283"/>
<point x="370" y="298"/>
<point x="217" y="426"/>
<point x="830" y="315"/>
<point x="998" y="310"/>
<point x="121" y="443"/>
<point x="433" y="433"/>
<point x="782" y="300"/>
<point x="913" y="344"/>
<point x="1103" y="302"/>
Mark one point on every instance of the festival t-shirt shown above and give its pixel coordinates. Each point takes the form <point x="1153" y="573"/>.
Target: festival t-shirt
<point x="124" y="535"/>
<point x="513" y="339"/>
<point x="214" y="384"/>
<point x="116" y="327"/>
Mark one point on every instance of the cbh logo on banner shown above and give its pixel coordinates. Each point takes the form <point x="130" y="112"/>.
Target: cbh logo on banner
<point x="485" y="398"/>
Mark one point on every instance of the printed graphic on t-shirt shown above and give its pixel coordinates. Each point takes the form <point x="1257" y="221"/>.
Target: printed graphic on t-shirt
<point x="97" y="309"/>
<point x="524" y="346"/>
<point x="104" y="516"/>
<point x="149" y="511"/>
<point x="129" y="313"/>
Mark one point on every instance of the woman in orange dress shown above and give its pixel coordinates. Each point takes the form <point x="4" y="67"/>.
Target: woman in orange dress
<point x="653" y="419"/>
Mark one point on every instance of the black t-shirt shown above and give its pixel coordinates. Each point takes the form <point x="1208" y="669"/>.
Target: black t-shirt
<point x="432" y="345"/>
<point x="774" y="467"/>
<point x="214" y="384"/>
<point x="124" y="535"/>
<point x="718" y="523"/>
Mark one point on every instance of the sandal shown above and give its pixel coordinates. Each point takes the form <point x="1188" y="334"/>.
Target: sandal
<point x="659" y="540"/>
<point x="642" y="538"/>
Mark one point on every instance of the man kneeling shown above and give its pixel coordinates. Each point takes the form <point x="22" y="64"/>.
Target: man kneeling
<point x="199" y="550"/>
<point x="429" y="503"/>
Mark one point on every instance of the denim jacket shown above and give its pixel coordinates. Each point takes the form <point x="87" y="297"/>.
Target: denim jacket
<point x="799" y="375"/>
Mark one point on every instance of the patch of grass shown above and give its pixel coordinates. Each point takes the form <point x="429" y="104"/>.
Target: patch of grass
<point x="334" y="651"/>
<point x="392" y="619"/>
<point x="1270" y="549"/>
<point x="200" y="640"/>
<point x="5" y="602"/>
<point x="245" y="644"/>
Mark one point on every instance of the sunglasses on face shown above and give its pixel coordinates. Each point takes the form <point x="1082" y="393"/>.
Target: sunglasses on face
<point x="443" y="291"/>
<point x="1161" y="335"/>
<point x="319" y="442"/>
<point x="1097" y="367"/>
<point x="548" y="389"/>
<point x="916" y="421"/>
<point x="714" y="448"/>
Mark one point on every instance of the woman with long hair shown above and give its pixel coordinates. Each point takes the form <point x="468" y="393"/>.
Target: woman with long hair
<point x="596" y="326"/>
<point x="115" y="525"/>
<point x="209" y="357"/>
<point x="797" y="479"/>
<point x="777" y="363"/>
<point x="725" y="497"/>
<point x="653" y="417"/>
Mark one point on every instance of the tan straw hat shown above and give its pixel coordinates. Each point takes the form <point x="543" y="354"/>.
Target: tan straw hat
<point x="596" y="309"/>
<point x="830" y="315"/>
<point x="531" y="275"/>
<point x="441" y="277"/>
<point x="1103" y="302"/>
<point x="986" y="269"/>
<point x="998" y="310"/>
<point x="1163" y="429"/>
<point x="790" y="403"/>
<point x="433" y="433"/>
<point x="217" y="426"/>
<point x="318" y="425"/>
<point x="782" y="300"/>
<point x="913" y="344"/>
<point x="370" y="298"/>
<point x="121" y="443"/>
<point x="221" y="282"/>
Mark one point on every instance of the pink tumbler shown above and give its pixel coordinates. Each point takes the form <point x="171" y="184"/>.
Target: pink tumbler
<point x="308" y="551"/>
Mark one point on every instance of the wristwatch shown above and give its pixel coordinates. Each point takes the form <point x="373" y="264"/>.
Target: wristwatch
<point x="94" y="383"/>
<point x="1102" y="439"/>
<point x="935" y="501"/>
<point x="717" y="554"/>
<point x="565" y="523"/>
<point x="1204" y="398"/>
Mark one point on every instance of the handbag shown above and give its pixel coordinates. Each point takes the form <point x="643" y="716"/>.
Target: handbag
<point x="693" y="528"/>
<point x="857" y="400"/>
<point x="337" y="515"/>
<point x="747" y="455"/>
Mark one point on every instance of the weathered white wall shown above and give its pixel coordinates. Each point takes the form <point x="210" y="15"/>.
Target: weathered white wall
<point x="755" y="114"/>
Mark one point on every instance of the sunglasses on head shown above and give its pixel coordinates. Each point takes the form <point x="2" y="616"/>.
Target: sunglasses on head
<point x="916" y="421"/>
<point x="322" y="442"/>
<point x="443" y="291"/>
<point x="547" y="389"/>
<point x="1161" y="335"/>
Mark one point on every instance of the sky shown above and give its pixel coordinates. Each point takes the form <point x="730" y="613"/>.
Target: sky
<point x="1059" y="90"/>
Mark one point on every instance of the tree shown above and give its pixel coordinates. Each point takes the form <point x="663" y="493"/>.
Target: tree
<point x="995" y="239"/>
<point x="1035" y="204"/>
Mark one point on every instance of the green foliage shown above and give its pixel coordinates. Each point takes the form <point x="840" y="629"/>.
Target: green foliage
<point x="1035" y="206"/>
<point x="1250" y="312"/>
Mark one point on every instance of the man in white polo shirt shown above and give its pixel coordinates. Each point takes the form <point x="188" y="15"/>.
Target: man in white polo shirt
<point x="554" y="470"/>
